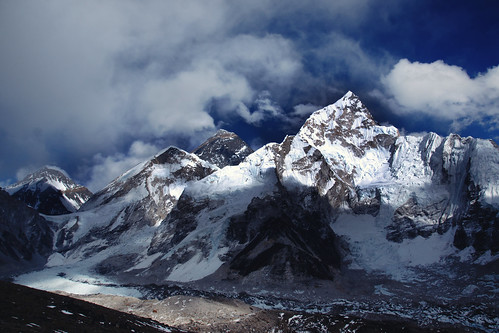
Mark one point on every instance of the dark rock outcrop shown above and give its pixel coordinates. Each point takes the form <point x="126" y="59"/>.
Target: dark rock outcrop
<point x="224" y="148"/>
<point x="25" y="237"/>
<point x="50" y="191"/>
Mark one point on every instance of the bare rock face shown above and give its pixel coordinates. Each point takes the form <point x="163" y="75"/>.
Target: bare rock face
<point x="25" y="237"/>
<point x="224" y="148"/>
<point x="411" y="220"/>
<point x="284" y="241"/>
<point x="50" y="191"/>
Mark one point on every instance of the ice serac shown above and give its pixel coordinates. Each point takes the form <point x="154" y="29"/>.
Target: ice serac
<point x="25" y="237"/>
<point x="446" y="183"/>
<point x="116" y="224"/>
<point x="224" y="148"/>
<point x="50" y="191"/>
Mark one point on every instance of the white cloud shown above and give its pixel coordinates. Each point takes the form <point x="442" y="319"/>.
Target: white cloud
<point x="264" y="108"/>
<point x="93" y="71"/>
<point x="270" y="59"/>
<point x="443" y="91"/>
<point x="345" y="57"/>
<point x="301" y="110"/>
<point x="107" y="168"/>
<point x="81" y="77"/>
<point x="21" y="173"/>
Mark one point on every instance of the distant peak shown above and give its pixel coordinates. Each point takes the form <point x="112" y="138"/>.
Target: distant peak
<point x="170" y="155"/>
<point x="45" y="171"/>
<point x="350" y="94"/>
<point x="223" y="148"/>
<point x="224" y="133"/>
<point x="54" y="168"/>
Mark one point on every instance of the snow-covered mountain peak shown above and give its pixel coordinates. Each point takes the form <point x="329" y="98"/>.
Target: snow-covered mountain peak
<point x="50" y="175"/>
<point x="347" y="122"/>
<point x="170" y="165"/>
<point x="171" y="155"/>
<point x="344" y="141"/>
<point x="135" y="203"/>
<point x="221" y="132"/>
<point x="223" y="148"/>
<point x="51" y="191"/>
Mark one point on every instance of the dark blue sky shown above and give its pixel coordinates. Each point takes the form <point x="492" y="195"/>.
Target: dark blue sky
<point x="97" y="87"/>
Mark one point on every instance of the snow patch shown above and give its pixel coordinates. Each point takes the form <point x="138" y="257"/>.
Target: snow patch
<point x="71" y="281"/>
<point x="195" y="269"/>
<point x="370" y="250"/>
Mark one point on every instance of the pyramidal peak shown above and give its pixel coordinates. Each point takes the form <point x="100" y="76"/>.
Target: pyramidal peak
<point x="348" y="120"/>
<point x="51" y="191"/>
<point x="223" y="148"/>
<point x="347" y="111"/>
<point x="224" y="133"/>
<point x="47" y="172"/>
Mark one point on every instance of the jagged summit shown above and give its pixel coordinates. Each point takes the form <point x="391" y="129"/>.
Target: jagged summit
<point x="222" y="132"/>
<point x="348" y="121"/>
<point x="47" y="173"/>
<point x="223" y="148"/>
<point x="51" y="191"/>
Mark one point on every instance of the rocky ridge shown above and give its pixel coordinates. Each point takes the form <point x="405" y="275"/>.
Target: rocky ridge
<point x="223" y="149"/>
<point x="115" y="225"/>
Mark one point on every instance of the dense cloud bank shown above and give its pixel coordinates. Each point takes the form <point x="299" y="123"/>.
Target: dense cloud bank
<point x="95" y="87"/>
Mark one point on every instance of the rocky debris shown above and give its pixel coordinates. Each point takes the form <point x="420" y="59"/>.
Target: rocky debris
<point x="24" y="309"/>
<point x="193" y="313"/>
<point x="222" y="314"/>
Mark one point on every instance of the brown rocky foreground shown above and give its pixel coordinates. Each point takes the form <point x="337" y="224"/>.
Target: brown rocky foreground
<point x="24" y="309"/>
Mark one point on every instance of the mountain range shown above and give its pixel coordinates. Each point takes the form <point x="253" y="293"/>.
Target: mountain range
<point x="50" y="191"/>
<point x="345" y="207"/>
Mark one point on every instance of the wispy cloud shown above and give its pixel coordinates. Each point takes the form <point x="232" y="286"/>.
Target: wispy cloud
<point x="106" y="168"/>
